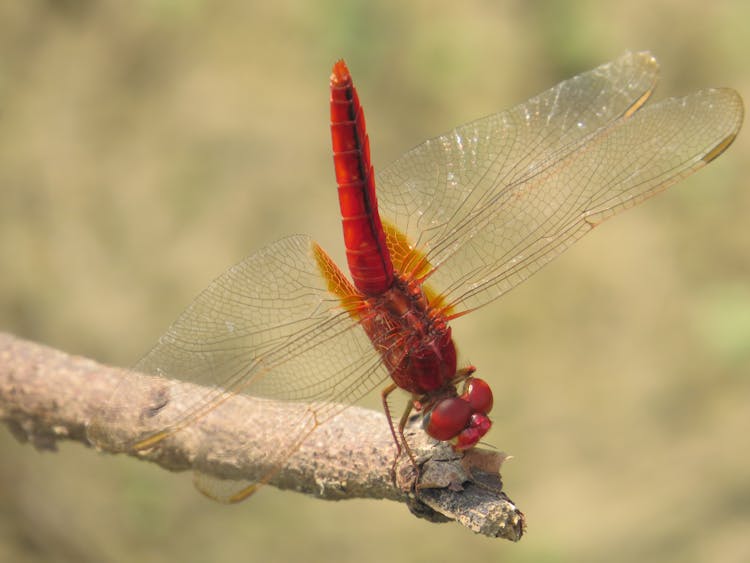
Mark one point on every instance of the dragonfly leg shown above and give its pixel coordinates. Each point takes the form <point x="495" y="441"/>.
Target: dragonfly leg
<point x="398" y="438"/>
<point x="384" y="397"/>
<point x="463" y="374"/>
<point x="401" y="426"/>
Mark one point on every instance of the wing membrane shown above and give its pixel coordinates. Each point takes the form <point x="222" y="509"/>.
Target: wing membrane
<point x="267" y="327"/>
<point x="491" y="202"/>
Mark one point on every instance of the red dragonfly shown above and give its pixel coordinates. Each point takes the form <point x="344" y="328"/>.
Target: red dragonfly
<point x="452" y="225"/>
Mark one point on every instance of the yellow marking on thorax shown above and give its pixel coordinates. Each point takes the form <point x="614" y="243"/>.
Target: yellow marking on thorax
<point x="412" y="264"/>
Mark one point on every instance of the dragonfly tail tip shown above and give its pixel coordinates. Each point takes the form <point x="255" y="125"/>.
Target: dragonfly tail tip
<point x="340" y="73"/>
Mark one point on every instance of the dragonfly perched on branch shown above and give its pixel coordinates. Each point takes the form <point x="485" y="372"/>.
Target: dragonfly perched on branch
<point x="447" y="228"/>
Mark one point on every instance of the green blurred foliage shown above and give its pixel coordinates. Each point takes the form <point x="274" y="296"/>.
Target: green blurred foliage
<point x="147" y="145"/>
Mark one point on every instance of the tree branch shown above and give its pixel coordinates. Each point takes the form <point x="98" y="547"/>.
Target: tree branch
<point x="47" y="396"/>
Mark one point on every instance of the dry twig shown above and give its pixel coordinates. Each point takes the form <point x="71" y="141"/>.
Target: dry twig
<point x="47" y="396"/>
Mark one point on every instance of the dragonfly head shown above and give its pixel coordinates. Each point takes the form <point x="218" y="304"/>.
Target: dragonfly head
<point x="462" y="419"/>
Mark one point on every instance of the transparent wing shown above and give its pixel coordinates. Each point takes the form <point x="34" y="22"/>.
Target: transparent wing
<point x="494" y="200"/>
<point x="267" y="327"/>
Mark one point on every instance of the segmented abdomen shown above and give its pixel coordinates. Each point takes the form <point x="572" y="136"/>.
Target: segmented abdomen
<point x="366" y="251"/>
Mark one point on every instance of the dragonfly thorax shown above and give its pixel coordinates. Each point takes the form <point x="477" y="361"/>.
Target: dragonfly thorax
<point x="416" y="344"/>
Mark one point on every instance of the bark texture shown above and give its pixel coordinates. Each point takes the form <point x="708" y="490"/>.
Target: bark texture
<point x="47" y="396"/>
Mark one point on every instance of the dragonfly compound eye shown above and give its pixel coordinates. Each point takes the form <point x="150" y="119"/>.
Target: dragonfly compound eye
<point x="463" y="420"/>
<point x="479" y="395"/>
<point x="447" y="418"/>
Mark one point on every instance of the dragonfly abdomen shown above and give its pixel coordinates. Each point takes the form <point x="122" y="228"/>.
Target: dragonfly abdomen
<point x="366" y="251"/>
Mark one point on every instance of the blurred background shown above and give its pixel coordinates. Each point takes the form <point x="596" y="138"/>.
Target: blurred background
<point x="145" y="146"/>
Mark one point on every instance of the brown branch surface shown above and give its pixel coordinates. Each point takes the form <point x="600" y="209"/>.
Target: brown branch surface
<point x="47" y="396"/>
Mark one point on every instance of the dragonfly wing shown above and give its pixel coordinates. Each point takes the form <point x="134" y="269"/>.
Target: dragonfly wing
<point x="498" y="198"/>
<point x="267" y="327"/>
<point x="433" y="187"/>
<point x="533" y="221"/>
